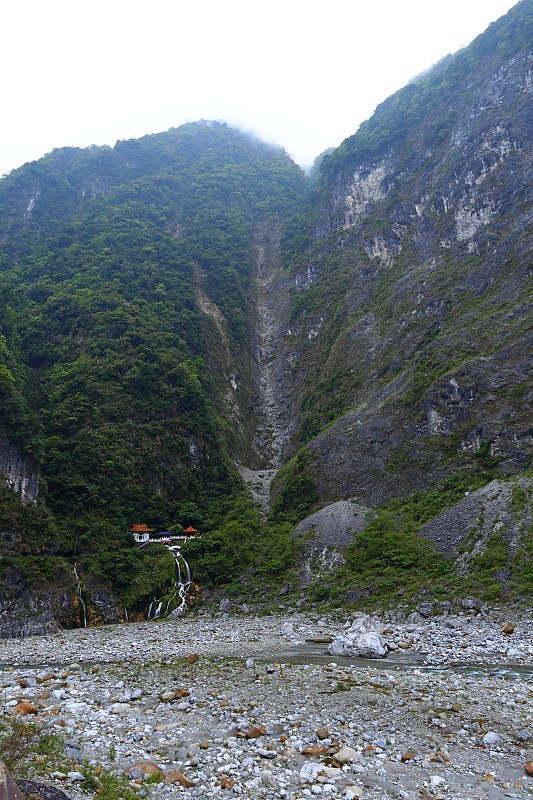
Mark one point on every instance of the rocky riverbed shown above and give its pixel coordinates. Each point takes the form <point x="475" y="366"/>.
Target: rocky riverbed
<point x="216" y="706"/>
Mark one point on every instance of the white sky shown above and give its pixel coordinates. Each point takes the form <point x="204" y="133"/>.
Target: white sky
<point x="298" y="73"/>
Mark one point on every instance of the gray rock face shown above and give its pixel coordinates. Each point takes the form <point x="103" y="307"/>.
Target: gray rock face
<point x="325" y="534"/>
<point x="475" y="518"/>
<point x="415" y="618"/>
<point x="102" y="604"/>
<point x="381" y="452"/>
<point x="265" y="409"/>
<point x="28" y="610"/>
<point x="425" y="609"/>
<point x="419" y="249"/>
<point x="335" y="525"/>
<point x="20" y="472"/>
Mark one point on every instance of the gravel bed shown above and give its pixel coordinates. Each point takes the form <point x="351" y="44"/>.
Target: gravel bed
<point x="210" y="702"/>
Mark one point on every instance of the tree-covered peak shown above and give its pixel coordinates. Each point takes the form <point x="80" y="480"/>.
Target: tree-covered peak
<point x="39" y="198"/>
<point x="104" y="254"/>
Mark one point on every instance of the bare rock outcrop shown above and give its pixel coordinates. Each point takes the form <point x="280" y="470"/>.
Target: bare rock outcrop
<point x="20" y="472"/>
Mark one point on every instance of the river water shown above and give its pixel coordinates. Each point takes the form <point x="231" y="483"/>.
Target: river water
<point x="313" y="653"/>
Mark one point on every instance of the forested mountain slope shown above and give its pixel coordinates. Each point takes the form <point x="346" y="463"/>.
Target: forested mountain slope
<point x="127" y="303"/>
<point x="186" y="310"/>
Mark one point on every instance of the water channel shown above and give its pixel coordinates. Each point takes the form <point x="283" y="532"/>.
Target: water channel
<point x="317" y="653"/>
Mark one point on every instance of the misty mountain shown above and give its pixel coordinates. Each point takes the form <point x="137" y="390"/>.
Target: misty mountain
<point x="192" y="330"/>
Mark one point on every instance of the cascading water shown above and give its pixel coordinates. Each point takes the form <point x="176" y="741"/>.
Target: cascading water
<point x="182" y="584"/>
<point x="149" y="612"/>
<point x="79" y="595"/>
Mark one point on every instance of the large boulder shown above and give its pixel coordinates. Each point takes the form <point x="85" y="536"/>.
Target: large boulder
<point x="362" y="639"/>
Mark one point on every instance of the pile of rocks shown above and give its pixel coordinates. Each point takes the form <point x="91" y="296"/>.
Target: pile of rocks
<point x="470" y="636"/>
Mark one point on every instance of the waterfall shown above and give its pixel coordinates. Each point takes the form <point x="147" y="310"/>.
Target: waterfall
<point x="182" y="584"/>
<point x="182" y="587"/>
<point x="149" y="612"/>
<point x="79" y="595"/>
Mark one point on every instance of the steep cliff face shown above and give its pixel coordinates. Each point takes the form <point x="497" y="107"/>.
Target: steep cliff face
<point x="33" y="605"/>
<point x="502" y="508"/>
<point x="253" y="378"/>
<point x="456" y="170"/>
<point x="20" y="472"/>
<point x="414" y="337"/>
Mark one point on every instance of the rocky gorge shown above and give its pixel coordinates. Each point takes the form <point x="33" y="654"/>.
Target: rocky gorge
<point x="219" y="704"/>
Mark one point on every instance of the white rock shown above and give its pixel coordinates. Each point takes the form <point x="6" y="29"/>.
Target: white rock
<point x="120" y="708"/>
<point x="287" y="629"/>
<point x="310" y="771"/>
<point x="363" y="645"/>
<point x="331" y="772"/>
<point x="353" y="793"/>
<point x="266" y="753"/>
<point x="345" y="755"/>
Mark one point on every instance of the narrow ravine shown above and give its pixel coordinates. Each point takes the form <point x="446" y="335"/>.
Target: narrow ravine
<point x="273" y="406"/>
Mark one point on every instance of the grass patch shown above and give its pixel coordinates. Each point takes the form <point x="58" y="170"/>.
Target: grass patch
<point x="108" y="785"/>
<point x="27" y="750"/>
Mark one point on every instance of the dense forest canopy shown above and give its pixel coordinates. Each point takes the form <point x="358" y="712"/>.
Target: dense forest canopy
<point x="103" y="378"/>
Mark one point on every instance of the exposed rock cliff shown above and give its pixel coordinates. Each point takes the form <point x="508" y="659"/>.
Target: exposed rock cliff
<point x="20" y="472"/>
<point x="30" y="607"/>
<point x="325" y="534"/>
<point x="420" y="364"/>
<point x="502" y="508"/>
